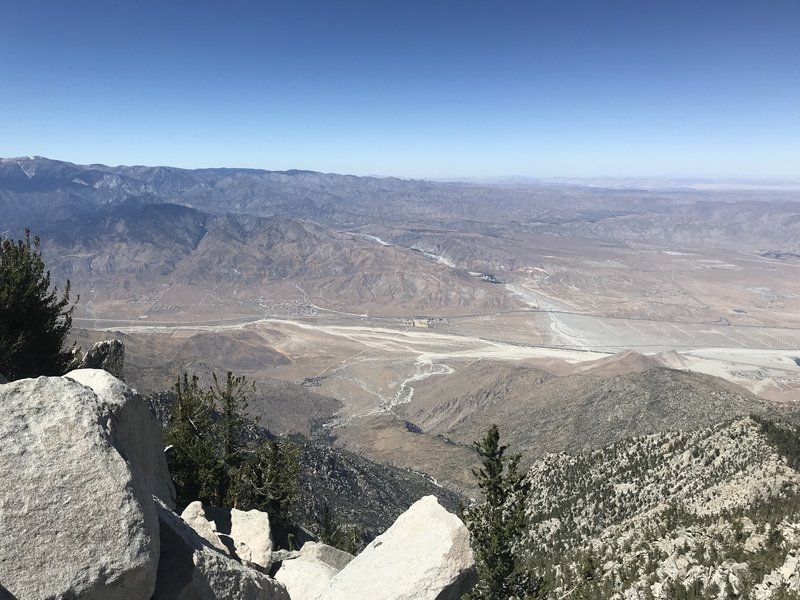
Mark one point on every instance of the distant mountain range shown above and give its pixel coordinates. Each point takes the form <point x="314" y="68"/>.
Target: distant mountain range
<point x="127" y="232"/>
<point x="36" y="189"/>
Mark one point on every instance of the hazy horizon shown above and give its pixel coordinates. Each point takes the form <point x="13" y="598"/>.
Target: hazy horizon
<point x="643" y="182"/>
<point x="413" y="90"/>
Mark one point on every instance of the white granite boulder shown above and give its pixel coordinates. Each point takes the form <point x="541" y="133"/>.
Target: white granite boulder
<point x="140" y="435"/>
<point x="194" y="516"/>
<point x="75" y="520"/>
<point x="190" y="568"/>
<point x="333" y="557"/>
<point x="424" y="555"/>
<point x="310" y="573"/>
<point x="244" y="534"/>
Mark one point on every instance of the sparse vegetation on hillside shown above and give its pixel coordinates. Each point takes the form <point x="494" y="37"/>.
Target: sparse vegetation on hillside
<point x="708" y="514"/>
<point x="34" y="319"/>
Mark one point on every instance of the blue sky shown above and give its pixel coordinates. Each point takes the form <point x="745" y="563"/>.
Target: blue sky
<point x="540" y="88"/>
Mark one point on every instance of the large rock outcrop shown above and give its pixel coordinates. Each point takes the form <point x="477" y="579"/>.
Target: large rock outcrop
<point x="190" y="568"/>
<point x="244" y="534"/>
<point x="108" y="355"/>
<point x="333" y="557"/>
<point x="425" y="555"/>
<point x="138" y="434"/>
<point x="194" y="516"/>
<point x="75" y="520"/>
<point x="310" y="573"/>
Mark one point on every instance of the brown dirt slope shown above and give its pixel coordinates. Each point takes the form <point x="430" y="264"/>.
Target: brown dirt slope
<point x="538" y="412"/>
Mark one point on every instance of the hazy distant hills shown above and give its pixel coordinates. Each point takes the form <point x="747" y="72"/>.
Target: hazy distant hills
<point x="36" y="189"/>
<point x="288" y="242"/>
<point x="301" y="194"/>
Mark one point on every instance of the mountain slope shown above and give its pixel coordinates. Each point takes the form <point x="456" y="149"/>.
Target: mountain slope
<point x="132" y="253"/>
<point x="674" y="514"/>
<point x="538" y="412"/>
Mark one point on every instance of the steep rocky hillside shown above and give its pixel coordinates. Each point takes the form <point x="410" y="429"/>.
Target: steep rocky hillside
<point x="357" y="491"/>
<point x="713" y="513"/>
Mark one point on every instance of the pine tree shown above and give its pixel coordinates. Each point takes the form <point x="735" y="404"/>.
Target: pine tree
<point x="329" y="527"/>
<point x="231" y="403"/>
<point x="497" y="524"/>
<point x="213" y="461"/>
<point x="34" y="321"/>
<point x="190" y="432"/>
<point x="268" y="482"/>
<point x="272" y="474"/>
<point x="333" y="533"/>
